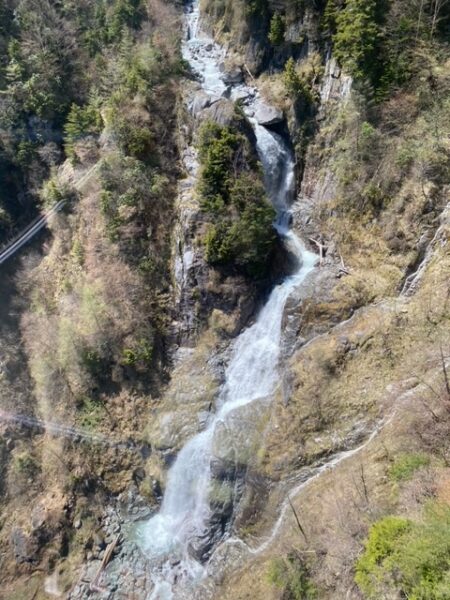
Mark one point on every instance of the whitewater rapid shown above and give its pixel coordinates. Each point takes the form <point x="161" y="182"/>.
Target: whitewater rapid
<point x="252" y="372"/>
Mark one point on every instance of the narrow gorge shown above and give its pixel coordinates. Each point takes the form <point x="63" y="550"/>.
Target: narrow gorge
<point x="186" y="526"/>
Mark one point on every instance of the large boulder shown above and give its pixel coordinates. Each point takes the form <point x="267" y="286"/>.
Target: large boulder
<point x="233" y="76"/>
<point x="25" y="547"/>
<point x="268" y="115"/>
<point x="200" y="101"/>
<point x="221" y="112"/>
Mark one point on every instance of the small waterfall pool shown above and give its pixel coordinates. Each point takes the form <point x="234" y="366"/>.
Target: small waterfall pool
<point x="252" y="372"/>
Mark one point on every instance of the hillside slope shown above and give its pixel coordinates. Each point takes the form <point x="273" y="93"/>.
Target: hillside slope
<point x="118" y="324"/>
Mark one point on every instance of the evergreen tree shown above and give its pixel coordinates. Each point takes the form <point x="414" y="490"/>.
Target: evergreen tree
<point x="357" y="38"/>
<point x="277" y="30"/>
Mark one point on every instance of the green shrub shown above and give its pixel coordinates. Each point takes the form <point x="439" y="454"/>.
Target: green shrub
<point x="247" y="241"/>
<point x="78" y="251"/>
<point x="53" y="192"/>
<point x="124" y="13"/>
<point x="372" y="198"/>
<point x="25" y="464"/>
<point x="140" y="355"/>
<point x="92" y="361"/>
<point x="381" y="545"/>
<point x="126" y="183"/>
<point x="91" y="413"/>
<point x="5" y="219"/>
<point x="405" y="466"/>
<point x="406" y="559"/>
<point x="218" y="147"/>
<point x="82" y="121"/>
<point x="376" y="41"/>
<point x="257" y="8"/>
<point x="135" y="139"/>
<point x="296" y="85"/>
<point x="329" y="17"/>
<point x="26" y="152"/>
<point x="291" y="575"/>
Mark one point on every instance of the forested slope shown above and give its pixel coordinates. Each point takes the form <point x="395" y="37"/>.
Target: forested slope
<point x="88" y="115"/>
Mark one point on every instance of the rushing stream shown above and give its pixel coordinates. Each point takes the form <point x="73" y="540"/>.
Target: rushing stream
<point x="252" y="373"/>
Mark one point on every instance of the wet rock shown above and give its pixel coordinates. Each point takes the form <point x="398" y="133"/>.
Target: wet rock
<point x="203" y="417"/>
<point x="201" y="546"/>
<point x="242" y="96"/>
<point x="252" y="500"/>
<point x="146" y="451"/>
<point x="304" y="312"/>
<point x="268" y="115"/>
<point x="227" y="92"/>
<point x="200" y="101"/>
<point x="221" y="112"/>
<point x="133" y="507"/>
<point x="237" y="437"/>
<point x="233" y="76"/>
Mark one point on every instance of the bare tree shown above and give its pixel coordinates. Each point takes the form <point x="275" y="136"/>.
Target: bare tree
<point x="436" y="7"/>
<point x="419" y="20"/>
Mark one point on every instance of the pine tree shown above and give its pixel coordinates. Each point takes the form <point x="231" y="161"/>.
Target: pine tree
<point x="277" y="30"/>
<point x="357" y="38"/>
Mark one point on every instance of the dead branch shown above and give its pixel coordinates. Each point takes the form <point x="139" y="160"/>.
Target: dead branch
<point x="249" y="72"/>
<point x="322" y="250"/>
<point x="299" y="525"/>
<point x="435" y="417"/>
<point x="343" y="268"/>
<point x="425" y="383"/>
<point x="363" y="479"/>
<point x="107" y="557"/>
<point x="445" y="373"/>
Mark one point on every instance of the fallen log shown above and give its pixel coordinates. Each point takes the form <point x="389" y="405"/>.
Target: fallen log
<point x="94" y="587"/>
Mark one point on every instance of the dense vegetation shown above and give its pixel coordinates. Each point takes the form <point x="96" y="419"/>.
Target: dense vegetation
<point x="379" y="42"/>
<point x="60" y="63"/>
<point x="407" y="557"/>
<point x="73" y="69"/>
<point x="232" y="193"/>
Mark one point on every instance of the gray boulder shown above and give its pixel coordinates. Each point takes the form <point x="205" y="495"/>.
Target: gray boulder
<point x="268" y="115"/>
<point x="233" y="76"/>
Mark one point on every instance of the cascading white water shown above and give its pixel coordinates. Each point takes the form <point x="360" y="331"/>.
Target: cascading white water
<point x="252" y="373"/>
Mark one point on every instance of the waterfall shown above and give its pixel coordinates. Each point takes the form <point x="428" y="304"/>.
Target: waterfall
<point x="252" y="372"/>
